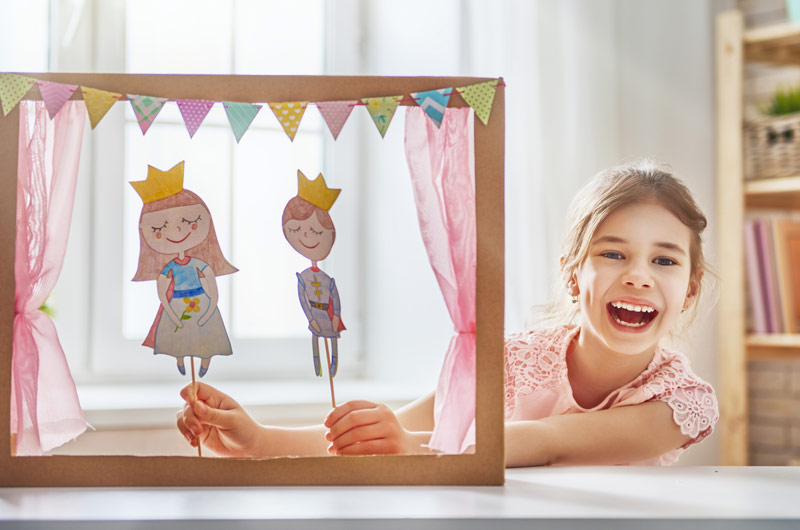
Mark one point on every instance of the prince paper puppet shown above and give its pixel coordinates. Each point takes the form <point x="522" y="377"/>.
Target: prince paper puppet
<point x="178" y="248"/>
<point x="308" y="227"/>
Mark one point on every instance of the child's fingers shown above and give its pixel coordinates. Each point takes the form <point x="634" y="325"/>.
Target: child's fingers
<point x="206" y="415"/>
<point x="343" y="410"/>
<point x="372" y="447"/>
<point x="360" y="434"/>
<point x="355" y="419"/>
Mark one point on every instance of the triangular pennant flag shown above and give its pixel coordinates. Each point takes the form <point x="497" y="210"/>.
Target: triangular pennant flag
<point x="335" y="114"/>
<point x="98" y="102"/>
<point x="146" y="109"/>
<point x="240" y="116"/>
<point x="480" y="98"/>
<point x="55" y="95"/>
<point x="13" y="88"/>
<point x="382" y="111"/>
<point x="434" y="103"/>
<point x="194" y="111"/>
<point x="289" y="115"/>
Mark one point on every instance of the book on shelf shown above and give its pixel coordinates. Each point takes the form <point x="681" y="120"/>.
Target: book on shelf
<point x="772" y="273"/>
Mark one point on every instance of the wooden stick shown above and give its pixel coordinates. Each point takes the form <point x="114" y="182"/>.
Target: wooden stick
<point x="194" y="398"/>
<point x="330" y="376"/>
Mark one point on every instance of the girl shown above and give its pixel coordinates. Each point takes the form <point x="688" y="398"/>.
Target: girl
<point x="178" y="248"/>
<point x="601" y="390"/>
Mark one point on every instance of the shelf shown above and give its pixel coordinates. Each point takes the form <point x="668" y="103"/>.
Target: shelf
<point x="773" y="193"/>
<point x="779" y="44"/>
<point x="773" y="346"/>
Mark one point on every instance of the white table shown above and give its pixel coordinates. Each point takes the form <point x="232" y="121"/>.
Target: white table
<point x="577" y="497"/>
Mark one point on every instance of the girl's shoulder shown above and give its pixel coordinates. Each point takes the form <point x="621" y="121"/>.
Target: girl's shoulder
<point x="554" y="340"/>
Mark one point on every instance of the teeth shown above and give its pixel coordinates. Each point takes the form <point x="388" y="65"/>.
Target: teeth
<point x="640" y="324"/>
<point x="631" y="307"/>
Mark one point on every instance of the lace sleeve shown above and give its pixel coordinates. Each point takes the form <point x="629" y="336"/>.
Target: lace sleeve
<point x="692" y="400"/>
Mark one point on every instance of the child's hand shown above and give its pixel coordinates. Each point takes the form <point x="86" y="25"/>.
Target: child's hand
<point x="219" y="422"/>
<point x="366" y="428"/>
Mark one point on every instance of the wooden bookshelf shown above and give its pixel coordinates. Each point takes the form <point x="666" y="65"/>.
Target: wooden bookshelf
<point x="778" y="45"/>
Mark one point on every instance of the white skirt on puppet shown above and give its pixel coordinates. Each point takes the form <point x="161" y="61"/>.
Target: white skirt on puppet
<point x="192" y="339"/>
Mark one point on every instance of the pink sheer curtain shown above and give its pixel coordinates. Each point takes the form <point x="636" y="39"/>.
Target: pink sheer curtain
<point x="45" y="411"/>
<point x="441" y="163"/>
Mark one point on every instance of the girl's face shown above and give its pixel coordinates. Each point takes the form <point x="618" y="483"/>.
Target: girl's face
<point x="635" y="280"/>
<point x="175" y="230"/>
<point x="309" y="237"/>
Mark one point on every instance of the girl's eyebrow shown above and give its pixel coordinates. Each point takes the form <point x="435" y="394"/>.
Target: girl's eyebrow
<point x="661" y="244"/>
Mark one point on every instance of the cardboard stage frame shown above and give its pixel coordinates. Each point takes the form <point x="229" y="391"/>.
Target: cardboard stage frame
<point x="485" y="466"/>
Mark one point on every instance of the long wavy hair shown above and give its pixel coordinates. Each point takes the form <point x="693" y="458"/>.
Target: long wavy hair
<point x="151" y="263"/>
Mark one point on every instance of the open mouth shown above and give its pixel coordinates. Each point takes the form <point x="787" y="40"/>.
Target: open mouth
<point x="630" y="315"/>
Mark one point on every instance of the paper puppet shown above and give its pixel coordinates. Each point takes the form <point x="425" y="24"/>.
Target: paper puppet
<point x="308" y="227"/>
<point x="178" y="248"/>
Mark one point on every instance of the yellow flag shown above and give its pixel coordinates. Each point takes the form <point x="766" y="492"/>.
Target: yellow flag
<point x="98" y="102"/>
<point x="289" y="114"/>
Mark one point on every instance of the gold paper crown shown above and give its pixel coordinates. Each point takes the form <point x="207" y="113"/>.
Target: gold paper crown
<point x="316" y="191"/>
<point x="160" y="184"/>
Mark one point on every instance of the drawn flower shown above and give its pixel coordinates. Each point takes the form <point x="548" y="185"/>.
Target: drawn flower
<point x="192" y="306"/>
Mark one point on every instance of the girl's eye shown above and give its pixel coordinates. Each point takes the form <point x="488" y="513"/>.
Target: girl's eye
<point x="188" y="222"/>
<point x="159" y="228"/>
<point x="315" y="232"/>
<point x="664" y="261"/>
<point x="293" y="230"/>
<point x="612" y="255"/>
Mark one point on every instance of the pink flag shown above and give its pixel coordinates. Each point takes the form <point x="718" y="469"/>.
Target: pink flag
<point x="335" y="114"/>
<point x="194" y="111"/>
<point x="55" y="95"/>
<point x="146" y="109"/>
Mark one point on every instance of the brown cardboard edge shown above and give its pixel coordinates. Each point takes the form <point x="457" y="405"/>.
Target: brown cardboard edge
<point x="486" y="466"/>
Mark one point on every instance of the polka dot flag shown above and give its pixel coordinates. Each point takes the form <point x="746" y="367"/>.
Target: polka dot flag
<point x="335" y="114"/>
<point x="13" y="88"/>
<point x="289" y="115"/>
<point x="194" y="111"/>
<point x="480" y="98"/>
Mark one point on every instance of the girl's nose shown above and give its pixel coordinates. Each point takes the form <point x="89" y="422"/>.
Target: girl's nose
<point x="637" y="276"/>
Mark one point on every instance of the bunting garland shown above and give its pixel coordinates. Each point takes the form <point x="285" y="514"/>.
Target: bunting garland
<point x="194" y="111"/>
<point x="146" y="109"/>
<point x="480" y="96"/>
<point x="55" y="95"/>
<point x="434" y="102"/>
<point x="335" y="114"/>
<point x="13" y="88"/>
<point x="98" y="102"/>
<point x="289" y="115"/>
<point x="382" y="111"/>
<point x="240" y="116"/>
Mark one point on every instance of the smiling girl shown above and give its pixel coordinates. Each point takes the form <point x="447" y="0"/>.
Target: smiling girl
<point x="178" y="248"/>
<point x="599" y="387"/>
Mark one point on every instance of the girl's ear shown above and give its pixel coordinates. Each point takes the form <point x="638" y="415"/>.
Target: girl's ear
<point x="571" y="279"/>
<point x="693" y="290"/>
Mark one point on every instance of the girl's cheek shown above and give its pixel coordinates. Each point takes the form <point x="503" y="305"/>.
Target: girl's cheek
<point x="158" y="235"/>
<point x="194" y="226"/>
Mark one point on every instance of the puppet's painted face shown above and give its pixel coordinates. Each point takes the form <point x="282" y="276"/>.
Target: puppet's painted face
<point x="309" y="237"/>
<point x="175" y="230"/>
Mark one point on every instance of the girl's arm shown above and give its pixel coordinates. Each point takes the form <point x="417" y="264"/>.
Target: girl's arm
<point x="162" y="284"/>
<point x="209" y="282"/>
<point x="606" y="437"/>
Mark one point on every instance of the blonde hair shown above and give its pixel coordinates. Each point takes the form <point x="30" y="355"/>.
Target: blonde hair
<point x="636" y="182"/>
<point x="151" y="263"/>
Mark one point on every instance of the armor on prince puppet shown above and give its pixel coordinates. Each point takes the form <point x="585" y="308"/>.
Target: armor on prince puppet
<point x="309" y="229"/>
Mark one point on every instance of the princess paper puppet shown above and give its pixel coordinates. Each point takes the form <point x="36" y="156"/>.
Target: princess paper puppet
<point x="308" y="227"/>
<point x="178" y="248"/>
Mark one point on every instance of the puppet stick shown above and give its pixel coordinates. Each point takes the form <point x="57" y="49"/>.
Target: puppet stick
<point x="330" y="377"/>
<point x="194" y="398"/>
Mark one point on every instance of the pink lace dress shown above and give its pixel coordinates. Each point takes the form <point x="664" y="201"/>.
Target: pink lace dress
<point x="537" y="386"/>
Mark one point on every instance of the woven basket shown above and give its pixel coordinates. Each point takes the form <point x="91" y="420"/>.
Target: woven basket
<point x="772" y="147"/>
